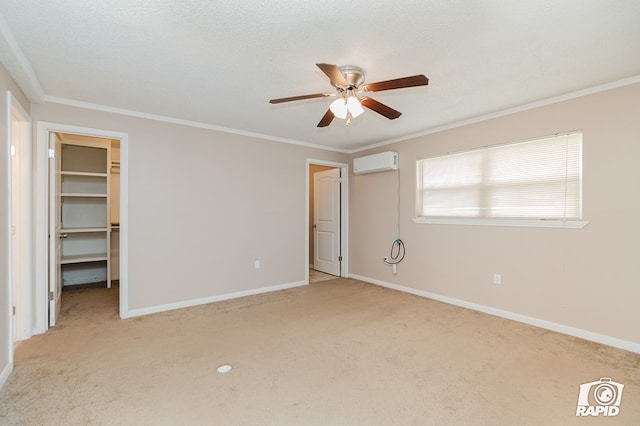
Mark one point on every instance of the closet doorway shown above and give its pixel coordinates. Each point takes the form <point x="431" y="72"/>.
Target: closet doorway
<point x="80" y="236"/>
<point x="83" y="216"/>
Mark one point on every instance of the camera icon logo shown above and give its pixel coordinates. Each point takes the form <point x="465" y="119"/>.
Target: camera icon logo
<point x="601" y="397"/>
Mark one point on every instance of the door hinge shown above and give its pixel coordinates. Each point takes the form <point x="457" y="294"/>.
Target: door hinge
<point x="50" y="296"/>
<point x="339" y="258"/>
<point x="14" y="310"/>
<point x="52" y="153"/>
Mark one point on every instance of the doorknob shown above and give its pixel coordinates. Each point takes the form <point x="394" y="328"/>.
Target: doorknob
<point x="63" y="235"/>
<point x="315" y="226"/>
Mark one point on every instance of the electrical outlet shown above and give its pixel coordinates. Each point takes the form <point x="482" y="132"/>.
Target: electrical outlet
<point x="256" y="264"/>
<point x="497" y="278"/>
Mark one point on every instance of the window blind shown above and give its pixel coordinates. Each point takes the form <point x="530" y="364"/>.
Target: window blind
<point x="536" y="179"/>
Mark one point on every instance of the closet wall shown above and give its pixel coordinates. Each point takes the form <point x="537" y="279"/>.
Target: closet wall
<point x="87" y="202"/>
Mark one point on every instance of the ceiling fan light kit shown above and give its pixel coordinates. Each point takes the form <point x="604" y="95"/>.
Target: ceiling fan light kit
<point x="354" y="106"/>
<point x="349" y="83"/>
<point x="339" y="108"/>
<point x="346" y="105"/>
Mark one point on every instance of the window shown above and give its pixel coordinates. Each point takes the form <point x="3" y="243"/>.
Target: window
<point x="532" y="183"/>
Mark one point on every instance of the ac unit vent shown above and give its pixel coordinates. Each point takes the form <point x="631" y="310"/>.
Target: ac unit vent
<point x="381" y="162"/>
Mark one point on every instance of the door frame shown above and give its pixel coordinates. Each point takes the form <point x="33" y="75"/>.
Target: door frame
<point x="41" y="299"/>
<point x="344" y="214"/>
<point x="19" y="251"/>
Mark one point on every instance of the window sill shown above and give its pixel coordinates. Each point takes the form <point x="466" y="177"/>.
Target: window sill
<point x="527" y="223"/>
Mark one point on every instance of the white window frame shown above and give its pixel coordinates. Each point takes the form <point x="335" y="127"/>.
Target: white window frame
<point x="520" y="222"/>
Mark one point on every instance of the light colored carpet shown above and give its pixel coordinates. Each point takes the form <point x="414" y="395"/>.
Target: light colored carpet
<point x="338" y="352"/>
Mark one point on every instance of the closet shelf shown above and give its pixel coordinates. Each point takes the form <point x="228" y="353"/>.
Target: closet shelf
<point x="87" y="174"/>
<point x="86" y="195"/>
<point x="82" y="258"/>
<point x="81" y="230"/>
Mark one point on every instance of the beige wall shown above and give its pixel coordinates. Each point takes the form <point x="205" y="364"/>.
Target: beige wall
<point x="585" y="278"/>
<point x="6" y="84"/>
<point x="203" y="205"/>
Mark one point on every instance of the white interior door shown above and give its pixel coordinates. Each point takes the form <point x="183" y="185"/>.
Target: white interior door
<point x="16" y="226"/>
<point x="55" y="224"/>
<point x="326" y="221"/>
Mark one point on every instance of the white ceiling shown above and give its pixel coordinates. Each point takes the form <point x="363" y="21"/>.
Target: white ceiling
<point x="218" y="62"/>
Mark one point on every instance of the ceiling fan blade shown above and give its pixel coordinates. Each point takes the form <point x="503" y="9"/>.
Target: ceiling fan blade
<point x="398" y="83"/>
<point x="380" y="108"/>
<point x="326" y="119"/>
<point x="299" y="98"/>
<point x="334" y="74"/>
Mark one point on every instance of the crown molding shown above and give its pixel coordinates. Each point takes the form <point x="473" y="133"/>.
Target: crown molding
<point x="548" y="101"/>
<point x="182" y="122"/>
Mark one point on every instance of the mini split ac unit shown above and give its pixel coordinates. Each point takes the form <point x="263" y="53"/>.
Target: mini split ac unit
<point x="381" y="162"/>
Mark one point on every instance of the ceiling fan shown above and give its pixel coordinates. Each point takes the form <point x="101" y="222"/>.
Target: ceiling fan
<point x="349" y="83"/>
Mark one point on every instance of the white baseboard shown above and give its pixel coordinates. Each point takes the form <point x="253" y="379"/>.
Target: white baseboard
<point x="210" y="299"/>
<point x="560" y="328"/>
<point x="6" y="372"/>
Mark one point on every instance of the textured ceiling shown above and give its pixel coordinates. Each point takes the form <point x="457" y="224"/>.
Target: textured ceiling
<point x="219" y="62"/>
